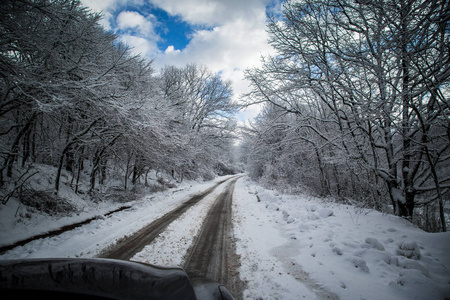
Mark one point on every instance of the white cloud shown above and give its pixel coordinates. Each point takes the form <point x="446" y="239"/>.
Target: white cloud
<point x="106" y="8"/>
<point x="234" y="40"/>
<point x="211" y="12"/>
<point x="99" y="6"/>
<point x="228" y="48"/>
<point x="171" y="51"/>
<point x="143" y="40"/>
<point x="134" y="20"/>
<point x="109" y="5"/>
<point x="140" y="45"/>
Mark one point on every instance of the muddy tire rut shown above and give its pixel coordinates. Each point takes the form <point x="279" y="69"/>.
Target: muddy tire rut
<point x="213" y="254"/>
<point x="128" y="246"/>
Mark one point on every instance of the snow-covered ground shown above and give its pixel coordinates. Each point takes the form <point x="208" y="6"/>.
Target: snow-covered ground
<point x="295" y="247"/>
<point x="291" y="247"/>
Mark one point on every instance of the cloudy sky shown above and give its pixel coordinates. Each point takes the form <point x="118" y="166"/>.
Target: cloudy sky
<point x="227" y="36"/>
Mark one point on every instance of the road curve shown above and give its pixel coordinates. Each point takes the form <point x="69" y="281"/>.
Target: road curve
<point x="213" y="254"/>
<point x="127" y="247"/>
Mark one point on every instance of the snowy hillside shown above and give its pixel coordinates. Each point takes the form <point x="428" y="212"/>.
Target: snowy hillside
<point x="291" y="247"/>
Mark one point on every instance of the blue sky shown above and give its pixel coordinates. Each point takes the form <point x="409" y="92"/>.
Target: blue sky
<point x="173" y="30"/>
<point x="170" y="30"/>
<point x="227" y="36"/>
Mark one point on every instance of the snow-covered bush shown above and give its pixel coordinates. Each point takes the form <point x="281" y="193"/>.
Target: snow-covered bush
<point x="325" y="212"/>
<point x="373" y="243"/>
<point x="409" y="250"/>
<point x="360" y="263"/>
<point x="46" y="202"/>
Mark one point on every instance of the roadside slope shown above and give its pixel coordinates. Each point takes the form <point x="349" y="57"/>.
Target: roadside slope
<point x="302" y="247"/>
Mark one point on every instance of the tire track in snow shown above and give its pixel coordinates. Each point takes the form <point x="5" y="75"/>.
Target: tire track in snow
<point x="128" y="246"/>
<point x="213" y="254"/>
<point x="170" y="246"/>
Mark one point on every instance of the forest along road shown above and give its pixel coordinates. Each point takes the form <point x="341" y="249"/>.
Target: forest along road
<point x="128" y="246"/>
<point x="213" y="254"/>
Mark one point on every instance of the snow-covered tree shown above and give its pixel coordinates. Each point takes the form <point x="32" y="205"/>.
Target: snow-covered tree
<point x="374" y="76"/>
<point x="203" y="109"/>
<point x="72" y="96"/>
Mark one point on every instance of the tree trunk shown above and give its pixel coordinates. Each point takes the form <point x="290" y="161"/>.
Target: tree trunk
<point x="406" y="208"/>
<point x="15" y="146"/>
<point x="325" y="186"/>
<point x="98" y="160"/>
<point x="69" y="144"/>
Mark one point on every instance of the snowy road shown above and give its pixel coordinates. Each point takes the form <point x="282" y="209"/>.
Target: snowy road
<point x="126" y="248"/>
<point x="213" y="254"/>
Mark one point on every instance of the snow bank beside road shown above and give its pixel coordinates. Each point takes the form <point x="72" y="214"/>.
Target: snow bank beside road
<point x="295" y="247"/>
